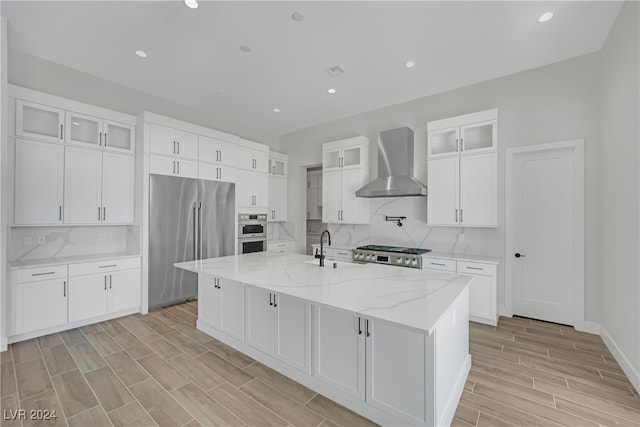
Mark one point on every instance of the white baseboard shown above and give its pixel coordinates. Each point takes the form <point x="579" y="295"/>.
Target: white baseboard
<point x="504" y="311"/>
<point x="589" y="327"/>
<point x="624" y="363"/>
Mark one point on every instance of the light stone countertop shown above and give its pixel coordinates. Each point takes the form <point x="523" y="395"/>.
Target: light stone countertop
<point x="404" y="296"/>
<point x="44" y="262"/>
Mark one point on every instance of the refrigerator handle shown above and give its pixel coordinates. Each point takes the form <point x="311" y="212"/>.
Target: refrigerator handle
<point x="199" y="230"/>
<point x="195" y="232"/>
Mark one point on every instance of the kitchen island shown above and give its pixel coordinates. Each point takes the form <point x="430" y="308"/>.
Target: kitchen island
<point x="389" y="343"/>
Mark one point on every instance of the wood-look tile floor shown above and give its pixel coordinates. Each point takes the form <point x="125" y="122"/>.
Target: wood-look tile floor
<point x="158" y="370"/>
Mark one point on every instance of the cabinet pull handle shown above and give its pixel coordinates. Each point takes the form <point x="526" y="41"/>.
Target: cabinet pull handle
<point x="461" y="144"/>
<point x="105" y="283"/>
<point x="61" y="131"/>
<point x="60" y="213"/>
<point x="99" y="210"/>
<point x="178" y="168"/>
<point x="359" y="326"/>
<point x="461" y="221"/>
<point x="475" y="268"/>
<point x="456" y="215"/>
<point x="275" y="301"/>
<point x="64" y="288"/>
<point x="270" y="299"/>
<point x="174" y="147"/>
<point x="338" y="215"/>
<point x="110" y="281"/>
<point x="178" y="148"/>
<point x="174" y="166"/>
<point x="367" y="326"/>
<point x="42" y="274"/>
<point x="437" y="263"/>
<point x="108" y="266"/>
<point x="219" y="287"/>
<point x="100" y="139"/>
<point x="104" y="213"/>
<point x="220" y="151"/>
<point x="105" y="139"/>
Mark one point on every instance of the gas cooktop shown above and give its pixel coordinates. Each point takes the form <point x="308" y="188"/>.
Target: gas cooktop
<point x="394" y="249"/>
<point x="390" y="255"/>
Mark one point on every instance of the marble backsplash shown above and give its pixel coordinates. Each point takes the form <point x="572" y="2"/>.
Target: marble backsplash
<point x="414" y="232"/>
<point x="286" y="230"/>
<point x="35" y="243"/>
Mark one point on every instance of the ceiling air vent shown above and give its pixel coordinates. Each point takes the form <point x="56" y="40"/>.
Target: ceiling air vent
<point x="334" y="71"/>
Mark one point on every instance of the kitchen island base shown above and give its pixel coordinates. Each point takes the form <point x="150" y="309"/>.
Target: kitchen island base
<point x="398" y="375"/>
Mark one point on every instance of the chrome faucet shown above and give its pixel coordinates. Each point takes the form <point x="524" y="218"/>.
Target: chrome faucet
<point x="321" y="256"/>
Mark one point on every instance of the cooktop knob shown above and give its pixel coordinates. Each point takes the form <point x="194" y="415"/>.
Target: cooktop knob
<point x="407" y="261"/>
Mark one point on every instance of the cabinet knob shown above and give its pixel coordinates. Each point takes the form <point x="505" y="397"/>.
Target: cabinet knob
<point x="518" y="255"/>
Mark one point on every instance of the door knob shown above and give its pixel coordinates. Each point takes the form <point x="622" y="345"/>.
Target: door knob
<point x="518" y="255"/>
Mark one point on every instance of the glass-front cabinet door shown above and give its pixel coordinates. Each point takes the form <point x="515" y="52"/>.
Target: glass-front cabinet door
<point x="118" y="137"/>
<point x="479" y="137"/>
<point x="277" y="167"/>
<point x="443" y="142"/>
<point x="331" y="159"/>
<point x="83" y="130"/>
<point x="351" y="156"/>
<point x="39" y="121"/>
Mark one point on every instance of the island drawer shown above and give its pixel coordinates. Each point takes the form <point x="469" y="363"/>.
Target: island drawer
<point x="477" y="268"/>
<point x="97" y="267"/>
<point x="439" y="264"/>
<point x="41" y="273"/>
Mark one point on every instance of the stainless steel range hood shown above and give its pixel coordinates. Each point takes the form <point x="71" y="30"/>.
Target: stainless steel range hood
<point x="395" y="167"/>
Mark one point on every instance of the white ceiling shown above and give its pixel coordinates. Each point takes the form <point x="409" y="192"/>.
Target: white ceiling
<point x="195" y="58"/>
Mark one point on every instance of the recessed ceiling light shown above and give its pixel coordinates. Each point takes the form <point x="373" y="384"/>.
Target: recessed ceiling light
<point x="141" y="53"/>
<point x="409" y="64"/>
<point x="297" y="16"/>
<point x="245" y="49"/>
<point x="191" y="4"/>
<point x="331" y="91"/>
<point x="276" y="110"/>
<point x="545" y="17"/>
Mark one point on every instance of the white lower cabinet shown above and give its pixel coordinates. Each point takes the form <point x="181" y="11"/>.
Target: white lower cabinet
<point x="55" y="296"/>
<point x="100" y="288"/>
<point x="482" y="291"/>
<point x="40" y="298"/>
<point x="396" y="377"/>
<point x="221" y="304"/>
<point x="279" y="326"/>
<point x="339" y="346"/>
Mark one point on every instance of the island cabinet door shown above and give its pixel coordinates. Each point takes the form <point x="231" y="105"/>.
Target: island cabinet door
<point x="339" y="346"/>
<point x="231" y="308"/>
<point x="259" y="303"/>
<point x="292" y="332"/>
<point x="396" y="370"/>
<point x="208" y="300"/>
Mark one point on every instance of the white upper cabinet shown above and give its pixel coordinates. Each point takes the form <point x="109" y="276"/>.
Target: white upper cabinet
<point x="39" y="121"/>
<point x="277" y="187"/>
<point x="99" y="187"/>
<point x="250" y="159"/>
<point x="118" y="136"/>
<point x="39" y="182"/>
<point x="216" y="151"/>
<point x="462" y="170"/>
<point x="173" y="142"/>
<point x="83" y="130"/>
<point x="252" y="191"/>
<point x="345" y="170"/>
<point x="468" y="134"/>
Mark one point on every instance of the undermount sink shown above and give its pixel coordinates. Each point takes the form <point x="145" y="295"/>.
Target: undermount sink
<point x="329" y="263"/>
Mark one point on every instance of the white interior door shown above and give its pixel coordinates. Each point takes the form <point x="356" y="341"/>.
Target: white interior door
<point x="543" y="220"/>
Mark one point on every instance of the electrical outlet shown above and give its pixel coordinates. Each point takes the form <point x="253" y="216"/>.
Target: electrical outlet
<point x="27" y="240"/>
<point x="102" y="237"/>
<point x="461" y="237"/>
<point x="41" y="240"/>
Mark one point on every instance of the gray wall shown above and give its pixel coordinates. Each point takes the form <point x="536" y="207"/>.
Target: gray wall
<point x="621" y="184"/>
<point x="558" y="102"/>
<point x="40" y="74"/>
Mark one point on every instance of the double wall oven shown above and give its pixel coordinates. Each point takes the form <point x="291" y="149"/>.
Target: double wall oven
<point x="252" y="233"/>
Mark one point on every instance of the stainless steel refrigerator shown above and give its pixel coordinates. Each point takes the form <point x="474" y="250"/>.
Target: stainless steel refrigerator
<point x="189" y="219"/>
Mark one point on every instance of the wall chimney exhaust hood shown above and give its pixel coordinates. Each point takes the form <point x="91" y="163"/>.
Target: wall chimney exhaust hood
<point x="395" y="167"/>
